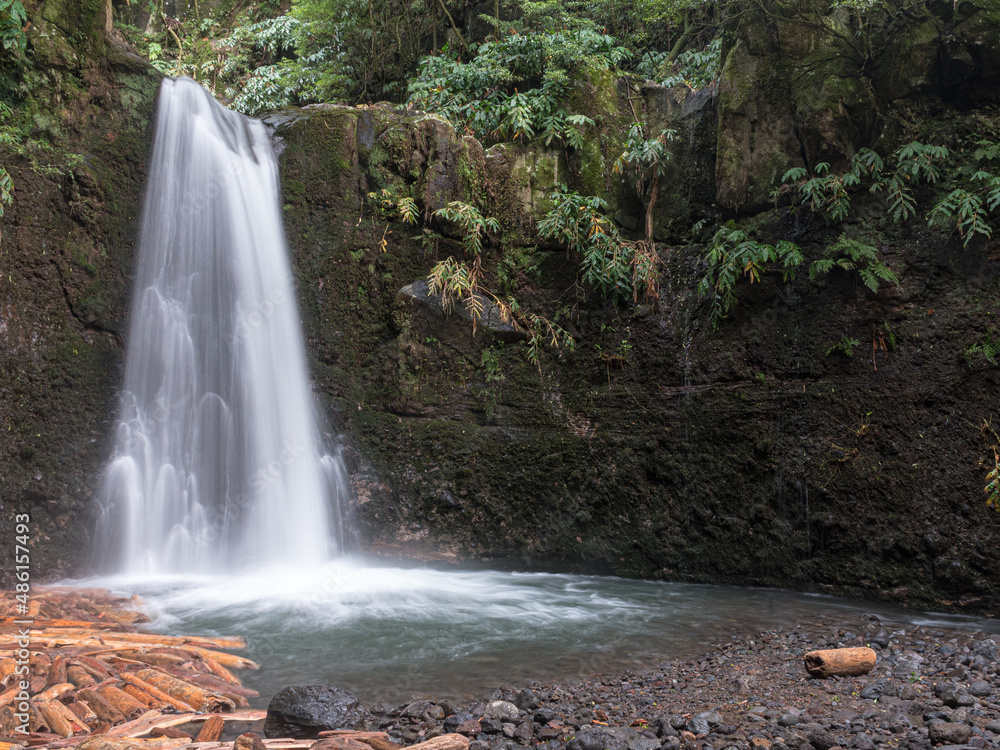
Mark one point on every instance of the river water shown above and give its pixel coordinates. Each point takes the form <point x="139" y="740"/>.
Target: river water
<point x="391" y="633"/>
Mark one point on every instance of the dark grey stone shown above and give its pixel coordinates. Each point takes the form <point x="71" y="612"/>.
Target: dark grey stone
<point x="303" y="711"/>
<point x="598" y="739"/>
<point x="981" y="689"/>
<point x="949" y="733"/>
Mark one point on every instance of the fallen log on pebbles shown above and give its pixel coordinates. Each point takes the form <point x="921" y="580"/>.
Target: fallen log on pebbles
<point x="98" y="683"/>
<point x="840" y="662"/>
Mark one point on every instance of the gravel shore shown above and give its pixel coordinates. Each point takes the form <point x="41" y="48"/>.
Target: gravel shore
<point x="930" y="687"/>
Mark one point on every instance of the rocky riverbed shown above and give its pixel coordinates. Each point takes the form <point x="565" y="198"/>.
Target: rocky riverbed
<point x="930" y="687"/>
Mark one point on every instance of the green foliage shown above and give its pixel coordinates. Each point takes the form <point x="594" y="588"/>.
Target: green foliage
<point x="992" y="488"/>
<point x="13" y="21"/>
<point x="988" y="350"/>
<point x="733" y="254"/>
<point x="694" y="68"/>
<point x="617" y="268"/>
<point x="254" y="76"/>
<point x="966" y="207"/>
<point x="473" y="224"/>
<point x="362" y="50"/>
<point x="845" y="346"/>
<point x="514" y="88"/>
<point x="645" y="157"/>
<point x="391" y="206"/>
<point x="515" y="261"/>
<point x="914" y="162"/>
<point x="30" y="135"/>
<point x="852" y="255"/>
<point x="6" y="190"/>
<point x="829" y="194"/>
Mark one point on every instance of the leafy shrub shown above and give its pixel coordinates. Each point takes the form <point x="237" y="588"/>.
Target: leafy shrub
<point x="253" y="76"/>
<point x="966" y="208"/>
<point x="694" y="68"/>
<point x="514" y="88"/>
<point x="457" y="280"/>
<point x="988" y="350"/>
<point x="828" y="193"/>
<point x="13" y="20"/>
<point x="733" y="254"/>
<point x="617" y="268"/>
<point x="845" y="346"/>
<point x="852" y="255"/>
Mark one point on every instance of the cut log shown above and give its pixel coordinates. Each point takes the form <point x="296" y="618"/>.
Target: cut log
<point x="211" y="730"/>
<point x="153" y="659"/>
<point x="339" y="743"/>
<point x="37" y="684"/>
<point x="61" y="719"/>
<point x="156" y="692"/>
<point x="374" y="740"/>
<point x="36" y="720"/>
<point x="201" y="700"/>
<point x="7" y="668"/>
<point x="8" y="695"/>
<point x="44" y="624"/>
<point x="125" y="616"/>
<point x="55" y="692"/>
<point x="107" y="742"/>
<point x="144" y="698"/>
<point x="238" y="700"/>
<point x="104" y="710"/>
<point x="8" y="723"/>
<point x="124" y="702"/>
<point x="170" y="732"/>
<point x="444" y="742"/>
<point x="213" y="683"/>
<point x="95" y="665"/>
<point x="57" y="673"/>
<point x="81" y="709"/>
<point x="840" y="662"/>
<point x="120" y="641"/>
<point x="221" y="672"/>
<point x="72" y="717"/>
<point x="79" y="676"/>
<point x="249" y="741"/>
<point x="151" y="638"/>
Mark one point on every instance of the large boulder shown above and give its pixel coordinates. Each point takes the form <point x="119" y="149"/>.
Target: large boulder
<point x="303" y="711"/>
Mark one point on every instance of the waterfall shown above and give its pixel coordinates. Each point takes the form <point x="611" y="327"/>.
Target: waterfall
<point x="218" y="462"/>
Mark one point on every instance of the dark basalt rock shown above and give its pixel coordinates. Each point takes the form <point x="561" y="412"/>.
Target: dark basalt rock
<point x="303" y="711"/>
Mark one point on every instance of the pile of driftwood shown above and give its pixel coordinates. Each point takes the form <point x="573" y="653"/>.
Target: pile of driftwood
<point x="90" y="672"/>
<point x="96" y="683"/>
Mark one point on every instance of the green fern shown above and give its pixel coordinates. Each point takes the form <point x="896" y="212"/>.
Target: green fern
<point x="992" y="488"/>
<point x="988" y="349"/>
<point x="475" y="227"/>
<point x="733" y="254"/>
<point x="845" y="346"/>
<point x="851" y="255"/>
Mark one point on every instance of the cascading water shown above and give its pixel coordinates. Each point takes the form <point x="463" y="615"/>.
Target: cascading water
<point x="218" y="463"/>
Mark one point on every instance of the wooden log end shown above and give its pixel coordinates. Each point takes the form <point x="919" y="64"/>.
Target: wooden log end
<point x="840" y="662"/>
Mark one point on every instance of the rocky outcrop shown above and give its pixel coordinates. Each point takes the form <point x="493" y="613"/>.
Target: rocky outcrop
<point x="757" y="454"/>
<point x="804" y="84"/>
<point x="67" y="245"/>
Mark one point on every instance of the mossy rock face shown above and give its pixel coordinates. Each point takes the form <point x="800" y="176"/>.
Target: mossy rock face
<point x="758" y="137"/>
<point x="800" y="91"/>
<point x="68" y="255"/>
<point x="687" y="188"/>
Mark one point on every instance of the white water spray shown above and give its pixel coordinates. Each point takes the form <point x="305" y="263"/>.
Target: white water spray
<point x="218" y="463"/>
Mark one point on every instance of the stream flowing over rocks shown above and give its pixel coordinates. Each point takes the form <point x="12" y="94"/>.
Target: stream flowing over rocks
<point x="930" y="687"/>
